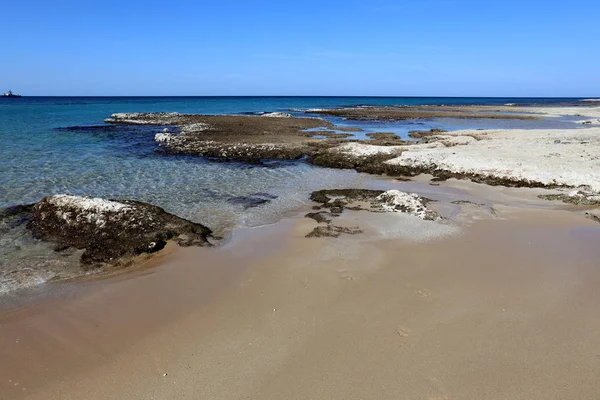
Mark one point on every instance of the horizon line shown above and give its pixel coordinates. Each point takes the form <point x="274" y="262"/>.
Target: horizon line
<point x="331" y="96"/>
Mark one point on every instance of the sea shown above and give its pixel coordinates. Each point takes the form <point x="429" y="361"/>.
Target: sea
<point x="51" y="145"/>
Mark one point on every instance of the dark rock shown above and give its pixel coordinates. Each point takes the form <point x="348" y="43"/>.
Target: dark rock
<point x="16" y="210"/>
<point x="330" y="196"/>
<point x="319" y="216"/>
<point x="12" y="217"/>
<point x="593" y="216"/>
<point x="417" y="112"/>
<point x="577" y="199"/>
<point x="265" y="195"/>
<point x="110" y="231"/>
<point x="252" y="200"/>
<point x="385" y="139"/>
<point x="372" y="164"/>
<point x="333" y="231"/>
<point x="421" y="134"/>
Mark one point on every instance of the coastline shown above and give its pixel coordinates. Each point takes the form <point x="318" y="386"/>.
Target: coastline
<point x="247" y="318"/>
<point x="233" y="322"/>
<point x="499" y="292"/>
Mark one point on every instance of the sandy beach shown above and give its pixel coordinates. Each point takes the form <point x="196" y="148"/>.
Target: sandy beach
<point x="498" y="301"/>
<point x="340" y="200"/>
<point x="465" y="268"/>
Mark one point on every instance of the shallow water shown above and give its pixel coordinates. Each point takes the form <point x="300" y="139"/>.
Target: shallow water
<point x="51" y="145"/>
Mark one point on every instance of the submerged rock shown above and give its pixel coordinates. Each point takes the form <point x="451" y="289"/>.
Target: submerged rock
<point x="576" y="197"/>
<point x="253" y="200"/>
<point x="110" y="231"/>
<point x="422" y="134"/>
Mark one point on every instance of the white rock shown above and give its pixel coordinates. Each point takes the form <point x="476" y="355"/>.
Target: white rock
<point x="277" y="114"/>
<point x="163" y="137"/>
<point x="195" y="127"/>
<point x="550" y="157"/>
<point x="411" y="203"/>
<point x="362" y="150"/>
<point x="93" y="204"/>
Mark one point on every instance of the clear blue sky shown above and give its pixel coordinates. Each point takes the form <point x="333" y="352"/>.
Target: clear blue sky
<point x="376" y="47"/>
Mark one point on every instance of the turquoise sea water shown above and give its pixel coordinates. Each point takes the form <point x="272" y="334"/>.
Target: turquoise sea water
<point x="51" y="145"/>
<point x="38" y="156"/>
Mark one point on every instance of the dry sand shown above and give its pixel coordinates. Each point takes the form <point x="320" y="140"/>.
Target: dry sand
<point x="501" y="303"/>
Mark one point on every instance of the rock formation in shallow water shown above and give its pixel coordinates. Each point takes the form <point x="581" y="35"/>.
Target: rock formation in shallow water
<point x="410" y="203"/>
<point x="110" y="231"/>
<point x="336" y="200"/>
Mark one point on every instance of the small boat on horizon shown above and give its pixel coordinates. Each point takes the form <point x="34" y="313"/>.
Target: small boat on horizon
<point x="11" y="94"/>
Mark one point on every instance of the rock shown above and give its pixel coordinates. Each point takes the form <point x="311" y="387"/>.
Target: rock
<point x="400" y="113"/>
<point x="333" y="197"/>
<point x="195" y="127"/>
<point x="410" y="203"/>
<point x="253" y="200"/>
<point x="359" y="156"/>
<point x="277" y="115"/>
<point x="385" y="139"/>
<point x="421" y="134"/>
<point x="376" y="200"/>
<point x="320" y="217"/>
<point x="576" y="197"/>
<point x="141" y="118"/>
<point x="593" y="215"/>
<point x="164" y="137"/>
<point x="110" y="231"/>
<point x="336" y="200"/>
<point x="330" y="230"/>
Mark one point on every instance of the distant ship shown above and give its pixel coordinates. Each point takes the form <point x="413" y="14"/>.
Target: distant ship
<point x="11" y="94"/>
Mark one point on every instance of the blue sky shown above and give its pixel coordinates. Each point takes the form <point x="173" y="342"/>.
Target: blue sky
<point x="377" y="47"/>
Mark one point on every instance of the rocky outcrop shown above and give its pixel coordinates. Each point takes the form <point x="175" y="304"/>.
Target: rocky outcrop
<point x="359" y="156"/>
<point x="410" y="203"/>
<point x="277" y="114"/>
<point x="333" y="231"/>
<point x="422" y="134"/>
<point x="576" y="197"/>
<point x="140" y="118"/>
<point x="336" y="200"/>
<point x="110" y="231"/>
<point x="231" y="137"/>
<point x="401" y="113"/>
<point x="252" y="200"/>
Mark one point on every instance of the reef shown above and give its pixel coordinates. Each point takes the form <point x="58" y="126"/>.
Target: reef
<point x="337" y="200"/>
<point x="368" y="113"/>
<point x="110" y="231"/>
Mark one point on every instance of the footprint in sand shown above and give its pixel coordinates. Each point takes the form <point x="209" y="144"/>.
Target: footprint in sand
<point x="344" y="274"/>
<point x="437" y="386"/>
<point x="426" y="295"/>
<point x="402" y="332"/>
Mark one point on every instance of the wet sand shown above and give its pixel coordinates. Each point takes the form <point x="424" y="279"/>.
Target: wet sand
<point x="499" y="303"/>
